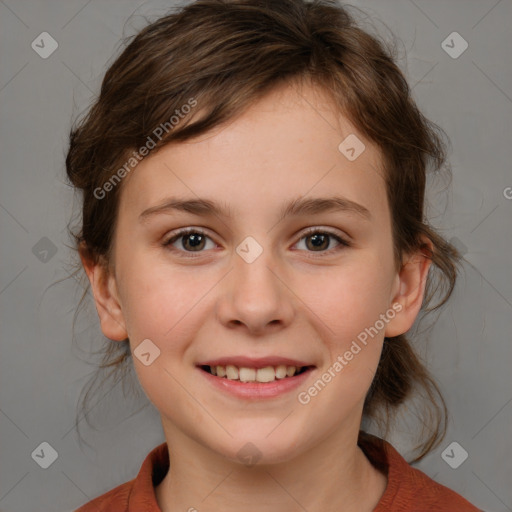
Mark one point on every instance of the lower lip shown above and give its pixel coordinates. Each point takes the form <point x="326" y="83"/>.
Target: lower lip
<point x="257" y="389"/>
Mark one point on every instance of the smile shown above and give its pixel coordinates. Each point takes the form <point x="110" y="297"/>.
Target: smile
<point x="262" y="375"/>
<point x="255" y="383"/>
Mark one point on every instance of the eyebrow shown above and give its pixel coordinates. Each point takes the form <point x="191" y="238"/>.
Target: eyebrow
<point x="297" y="207"/>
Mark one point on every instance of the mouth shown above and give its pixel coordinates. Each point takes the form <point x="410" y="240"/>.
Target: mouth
<point x="264" y="375"/>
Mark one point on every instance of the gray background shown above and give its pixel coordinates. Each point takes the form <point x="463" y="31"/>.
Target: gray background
<point x="42" y="371"/>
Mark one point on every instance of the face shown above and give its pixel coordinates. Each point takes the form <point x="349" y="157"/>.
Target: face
<point x="247" y="282"/>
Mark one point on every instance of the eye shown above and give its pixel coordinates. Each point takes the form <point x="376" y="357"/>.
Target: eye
<point x="192" y="240"/>
<point x="320" y="241"/>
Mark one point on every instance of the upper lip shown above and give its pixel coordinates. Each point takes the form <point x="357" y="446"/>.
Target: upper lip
<point x="249" y="362"/>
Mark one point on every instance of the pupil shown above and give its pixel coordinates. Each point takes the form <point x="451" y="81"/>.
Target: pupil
<point x="320" y="239"/>
<point x="194" y="240"/>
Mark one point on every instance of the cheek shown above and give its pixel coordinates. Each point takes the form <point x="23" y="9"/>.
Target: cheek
<point x="159" y="299"/>
<point x="351" y="298"/>
<point x="158" y="305"/>
<point x="349" y="302"/>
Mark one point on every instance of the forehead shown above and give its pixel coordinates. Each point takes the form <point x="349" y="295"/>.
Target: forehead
<point x="289" y="144"/>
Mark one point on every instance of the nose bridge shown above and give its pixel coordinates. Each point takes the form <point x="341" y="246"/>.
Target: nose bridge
<point x="254" y="283"/>
<point x="255" y="297"/>
<point x="252" y="272"/>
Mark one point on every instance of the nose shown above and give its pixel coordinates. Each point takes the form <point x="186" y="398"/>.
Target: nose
<point x="254" y="297"/>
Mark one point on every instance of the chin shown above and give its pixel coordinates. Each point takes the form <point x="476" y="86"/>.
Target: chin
<point x="259" y="448"/>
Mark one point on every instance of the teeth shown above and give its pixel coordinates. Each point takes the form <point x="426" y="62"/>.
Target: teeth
<point x="231" y="372"/>
<point x="267" y="374"/>
<point x="247" y="374"/>
<point x="281" y="371"/>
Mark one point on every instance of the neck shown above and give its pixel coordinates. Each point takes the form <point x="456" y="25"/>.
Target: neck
<point x="335" y="475"/>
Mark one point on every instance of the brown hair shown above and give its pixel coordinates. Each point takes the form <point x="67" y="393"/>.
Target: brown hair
<point x="226" y="54"/>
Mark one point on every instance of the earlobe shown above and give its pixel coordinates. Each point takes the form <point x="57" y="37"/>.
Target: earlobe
<point x="411" y="283"/>
<point x="106" y="299"/>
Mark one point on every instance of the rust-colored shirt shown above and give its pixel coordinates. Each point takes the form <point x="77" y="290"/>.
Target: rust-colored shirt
<point x="408" y="489"/>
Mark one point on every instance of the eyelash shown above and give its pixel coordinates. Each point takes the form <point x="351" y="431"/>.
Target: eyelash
<point x="311" y="231"/>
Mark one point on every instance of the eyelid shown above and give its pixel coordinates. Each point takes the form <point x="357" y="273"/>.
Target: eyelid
<point x="183" y="232"/>
<point x="329" y="231"/>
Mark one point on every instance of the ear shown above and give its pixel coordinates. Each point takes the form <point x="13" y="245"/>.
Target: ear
<point x="106" y="297"/>
<point x="409" y="289"/>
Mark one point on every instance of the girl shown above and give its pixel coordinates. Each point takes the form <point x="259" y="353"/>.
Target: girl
<point x="253" y="177"/>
